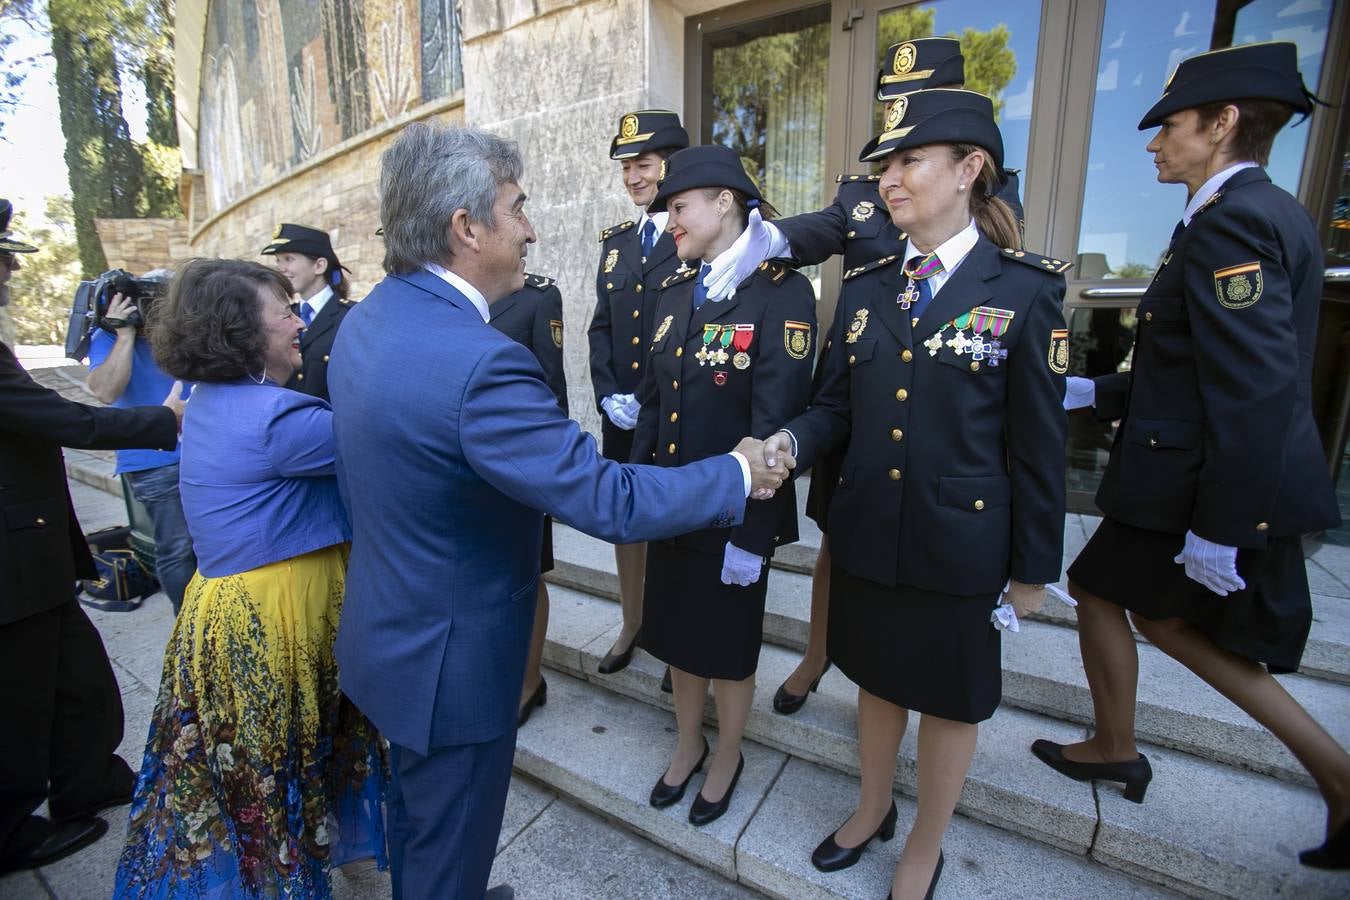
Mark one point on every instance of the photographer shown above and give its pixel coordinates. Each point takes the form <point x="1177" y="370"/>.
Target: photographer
<point x="123" y="374"/>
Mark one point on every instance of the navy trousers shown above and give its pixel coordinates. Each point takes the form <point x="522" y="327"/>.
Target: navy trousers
<point x="445" y="814"/>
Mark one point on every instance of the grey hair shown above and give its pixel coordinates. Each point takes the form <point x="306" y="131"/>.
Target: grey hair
<point x="427" y="174"/>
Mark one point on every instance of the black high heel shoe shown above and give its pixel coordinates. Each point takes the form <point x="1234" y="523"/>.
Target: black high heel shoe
<point x="932" y="885"/>
<point x="786" y="704"/>
<point x="1334" y="854"/>
<point x="1135" y="774"/>
<point x="538" y="698"/>
<point x="664" y="795"/>
<point x="701" y="812"/>
<point x="617" y="662"/>
<point x="830" y="857"/>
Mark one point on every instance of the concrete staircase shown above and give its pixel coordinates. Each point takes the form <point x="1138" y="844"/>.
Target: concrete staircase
<point x="1226" y="813"/>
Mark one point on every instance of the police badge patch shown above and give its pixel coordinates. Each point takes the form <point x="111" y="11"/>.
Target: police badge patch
<point x="1058" y="355"/>
<point x="797" y="339"/>
<point x="856" y="327"/>
<point x="555" y="328"/>
<point x="662" y="329"/>
<point x="1238" y="287"/>
<point x="611" y="260"/>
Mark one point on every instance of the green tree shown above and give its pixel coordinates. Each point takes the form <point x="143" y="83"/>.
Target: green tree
<point x="1134" y="270"/>
<point x="41" y="291"/>
<point x="15" y="69"/>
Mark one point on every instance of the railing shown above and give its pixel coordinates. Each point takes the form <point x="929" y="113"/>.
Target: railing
<point x="1334" y="275"/>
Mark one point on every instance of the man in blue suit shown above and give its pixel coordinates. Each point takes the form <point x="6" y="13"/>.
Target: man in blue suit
<point x="446" y="474"/>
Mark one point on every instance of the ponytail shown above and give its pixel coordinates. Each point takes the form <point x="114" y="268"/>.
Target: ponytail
<point x="993" y="217"/>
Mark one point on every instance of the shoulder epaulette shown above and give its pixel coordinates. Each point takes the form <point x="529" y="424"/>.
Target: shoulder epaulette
<point x="1037" y="261"/>
<point x="1207" y="204"/>
<point x="347" y="303"/>
<point x="773" y="269"/>
<point x="683" y="273"/>
<point x="1012" y="171"/>
<point x="542" y="282"/>
<point x="868" y="267"/>
<point x="840" y="179"/>
<point x="616" y="229"/>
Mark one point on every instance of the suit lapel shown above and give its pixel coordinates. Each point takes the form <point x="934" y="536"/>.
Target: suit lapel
<point x="681" y="296"/>
<point x="661" y="251"/>
<point x="888" y="309"/>
<point x="630" y="251"/>
<point x="964" y="291"/>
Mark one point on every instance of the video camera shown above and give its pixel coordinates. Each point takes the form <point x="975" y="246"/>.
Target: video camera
<point x="92" y="298"/>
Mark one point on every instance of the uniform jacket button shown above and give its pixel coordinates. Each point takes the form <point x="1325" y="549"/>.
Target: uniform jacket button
<point x="1153" y="442"/>
<point x="906" y="356"/>
<point x="974" y="365"/>
<point x="638" y="288"/>
<point x="301" y="376"/>
<point x="902" y="395"/>
<point x="636" y="341"/>
<point x="679" y="351"/>
<point x="636" y="313"/>
<point x="635" y="365"/>
<point x="852" y="359"/>
<point x="674" y="417"/>
<point x="896" y="434"/>
<point x="1260" y="526"/>
<point x="670" y="448"/>
<point x="1148" y="317"/>
<point x="609" y="285"/>
<point x="41" y="521"/>
<point x="325" y="357"/>
<point x="979" y="504"/>
<point x="895" y="474"/>
<point x="675" y="385"/>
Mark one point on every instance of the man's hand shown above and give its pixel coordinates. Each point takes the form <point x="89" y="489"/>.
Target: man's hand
<point x="614" y="408"/>
<point x="1210" y="564"/>
<point x="740" y="260"/>
<point x="176" y="404"/>
<point x="119" y="309"/>
<point x="778" y="451"/>
<point x="740" y="567"/>
<point x="1079" y="392"/>
<point x="1025" y="599"/>
<point x="763" y="479"/>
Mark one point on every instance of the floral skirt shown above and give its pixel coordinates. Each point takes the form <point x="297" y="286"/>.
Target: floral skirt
<point x="259" y="775"/>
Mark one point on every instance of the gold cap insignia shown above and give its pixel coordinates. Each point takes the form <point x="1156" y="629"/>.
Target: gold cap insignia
<point x="895" y="114"/>
<point x="628" y="126"/>
<point x="276" y="234"/>
<point x="905" y="58"/>
<point x="662" y="176"/>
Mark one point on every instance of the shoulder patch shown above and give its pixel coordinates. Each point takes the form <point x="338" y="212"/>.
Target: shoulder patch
<point x="773" y="269"/>
<point x="868" y="267"/>
<point x="840" y="179"/>
<point x="616" y="229"/>
<point x="683" y="273"/>
<point x="542" y="282"/>
<point x="1037" y="260"/>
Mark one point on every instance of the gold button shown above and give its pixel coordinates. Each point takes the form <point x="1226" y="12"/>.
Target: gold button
<point x="895" y="474"/>
<point x="636" y="313"/>
<point x="974" y="365"/>
<point x="1260" y="526"/>
<point x="979" y="504"/>
<point x="679" y="351"/>
<point x="636" y="341"/>
<point x="852" y="359"/>
<point x="675" y="385"/>
<point x="902" y="395"/>
<point x="1148" y="317"/>
<point x="638" y="288"/>
<point x="301" y="376"/>
<point x="609" y="285"/>
<point x="670" y="448"/>
<point x="634" y="366"/>
<point x="896" y="434"/>
<point x="1153" y="442"/>
<point x="841" y="479"/>
<point x="853" y="234"/>
<point x="674" y="417"/>
<point x="41" y="521"/>
<point x="325" y="357"/>
<point x="906" y="356"/>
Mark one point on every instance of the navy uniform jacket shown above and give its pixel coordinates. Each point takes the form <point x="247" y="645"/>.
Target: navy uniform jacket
<point x="1217" y="433"/>
<point x="625" y="290"/>
<point x="532" y="316"/>
<point x="43" y="550"/>
<point x="694" y="407"/>
<point x="954" y="476"/>
<point x="858" y="225"/>
<point x="316" y="345"/>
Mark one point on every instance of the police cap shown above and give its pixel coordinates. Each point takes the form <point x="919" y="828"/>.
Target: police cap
<point x="647" y="130"/>
<point x="920" y="63"/>
<point x="937" y="116"/>
<point x="699" y="167"/>
<point x="1266" y="71"/>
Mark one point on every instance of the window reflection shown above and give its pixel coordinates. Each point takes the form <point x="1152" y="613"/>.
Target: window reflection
<point x="1127" y="215"/>
<point x="1101" y="341"/>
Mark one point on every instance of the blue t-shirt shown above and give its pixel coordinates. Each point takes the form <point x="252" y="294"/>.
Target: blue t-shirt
<point x="147" y="386"/>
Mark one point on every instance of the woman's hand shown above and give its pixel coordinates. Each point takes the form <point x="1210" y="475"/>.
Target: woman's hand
<point x="740" y="566"/>
<point x="1025" y="599"/>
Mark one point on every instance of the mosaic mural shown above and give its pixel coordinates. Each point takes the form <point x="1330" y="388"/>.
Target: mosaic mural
<point x="284" y="80"/>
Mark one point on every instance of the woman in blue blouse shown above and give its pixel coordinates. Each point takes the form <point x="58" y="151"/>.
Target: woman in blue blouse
<point x="258" y="774"/>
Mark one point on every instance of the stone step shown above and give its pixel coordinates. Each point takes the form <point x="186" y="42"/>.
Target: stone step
<point x="587" y="564"/>
<point x="605" y="752"/>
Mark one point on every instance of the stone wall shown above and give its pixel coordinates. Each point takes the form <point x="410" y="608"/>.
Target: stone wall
<point x="139" y="245"/>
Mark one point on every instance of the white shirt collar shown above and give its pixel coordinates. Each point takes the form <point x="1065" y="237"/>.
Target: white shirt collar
<point x="1211" y="187"/>
<point x="658" y="219"/>
<point x="318" y="301"/>
<point x="952" y="252"/>
<point x="468" y="290"/>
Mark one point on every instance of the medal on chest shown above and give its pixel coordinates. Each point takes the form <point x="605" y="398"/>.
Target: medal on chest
<point x="740" y="341"/>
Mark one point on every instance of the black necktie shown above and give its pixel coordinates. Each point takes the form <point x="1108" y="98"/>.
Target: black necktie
<point x="648" y="238"/>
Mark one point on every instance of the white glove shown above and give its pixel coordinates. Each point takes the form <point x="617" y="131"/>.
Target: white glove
<point x="1210" y="564"/>
<point x="1079" y="392"/>
<point x="630" y="405"/>
<point x="740" y="567"/>
<point x="742" y="258"/>
<point x="615" y="410"/>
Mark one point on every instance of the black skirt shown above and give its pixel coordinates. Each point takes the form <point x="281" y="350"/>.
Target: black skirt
<point x="546" y="547"/>
<point x="695" y="623"/>
<point x="930" y="652"/>
<point x="615" y="443"/>
<point x="824" y="479"/>
<point x="1268" y="621"/>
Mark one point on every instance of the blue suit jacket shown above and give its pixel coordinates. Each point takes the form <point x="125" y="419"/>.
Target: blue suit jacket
<point x="450" y="447"/>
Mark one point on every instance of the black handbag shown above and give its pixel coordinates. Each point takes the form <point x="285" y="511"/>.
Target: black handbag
<point x="123" y="582"/>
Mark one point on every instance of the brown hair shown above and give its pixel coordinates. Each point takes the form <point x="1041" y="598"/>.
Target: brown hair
<point x="741" y="201"/>
<point x="1259" y="121"/>
<point x="993" y="217"/>
<point x="210" y="327"/>
<point x="342" y="287"/>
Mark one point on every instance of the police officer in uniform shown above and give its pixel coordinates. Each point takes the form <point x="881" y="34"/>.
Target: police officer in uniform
<point x="532" y="316"/>
<point x="717" y="371"/>
<point x="635" y="257"/>
<point x="1217" y="469"/>
<point x="305" y="256"/>
<point x="945" y="378"/>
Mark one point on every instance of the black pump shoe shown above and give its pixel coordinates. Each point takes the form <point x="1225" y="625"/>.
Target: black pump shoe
<point x="664" y="795"/>
<point x="701" y="812"/>
<point x="830" y="857"/>
<point x="617" y="662"/>
<point x="538" y="698"/>
<point x="786" y="704"/>
<point x="937" y="873"/>
<point x="1334" y="854"/>
<point x="1135" y="774"/>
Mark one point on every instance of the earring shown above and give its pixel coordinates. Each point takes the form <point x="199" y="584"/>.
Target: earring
<point x="960" y="187"/>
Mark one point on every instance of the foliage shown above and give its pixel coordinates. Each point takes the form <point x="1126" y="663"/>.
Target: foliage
<point x="1134" y="270"/>
<point x="41" y="291"/>
<point x="15" y="71"/>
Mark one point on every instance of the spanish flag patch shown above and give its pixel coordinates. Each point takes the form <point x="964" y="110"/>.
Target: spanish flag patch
<point x="1238" y="287"/>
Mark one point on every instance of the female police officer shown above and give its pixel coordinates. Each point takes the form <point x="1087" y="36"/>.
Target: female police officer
<point x="717" y="371"/>
<point x="635" y="257"/>
<point x="1217" y="468"/>
<point x="946" y="378"/>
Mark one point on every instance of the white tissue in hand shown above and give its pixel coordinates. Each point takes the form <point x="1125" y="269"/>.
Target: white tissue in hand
<point x="1004" y="618"/>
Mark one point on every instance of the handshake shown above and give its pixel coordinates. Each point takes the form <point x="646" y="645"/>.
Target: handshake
<point x="770" y="462"/>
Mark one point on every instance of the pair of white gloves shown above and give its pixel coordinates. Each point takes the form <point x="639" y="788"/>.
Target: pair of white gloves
<point x="622" y="410"/>
<point x="1213" y="565"/>
<point x="758" y="242"/>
